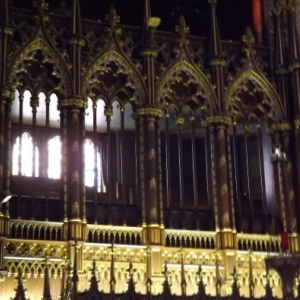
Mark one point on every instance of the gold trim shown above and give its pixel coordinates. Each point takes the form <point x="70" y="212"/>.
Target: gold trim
<point x="219" y="120"/>
<point x="148" y="110"/>
<point x="73" y="102"/>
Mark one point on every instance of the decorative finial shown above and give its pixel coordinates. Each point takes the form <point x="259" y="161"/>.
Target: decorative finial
<point x="248" y="38"/>
<point x="112" y="16"/>
<point x="182" y="28"/>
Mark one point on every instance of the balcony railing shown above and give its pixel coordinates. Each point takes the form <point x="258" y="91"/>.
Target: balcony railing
<point x="258" y="242"/>
<point x="36" y="230"/>
<point x="190" y="239"/>
<point x="118" y="234"/>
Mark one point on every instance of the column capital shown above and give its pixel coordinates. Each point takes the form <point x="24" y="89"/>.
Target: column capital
<point x="219" y="120"/>
<point x="150" y="111"/>
<point x="73" y="102"/>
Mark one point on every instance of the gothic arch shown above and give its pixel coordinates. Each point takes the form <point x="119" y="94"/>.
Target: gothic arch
<point x="271" y="104"/>
<point x="203" y="88"/>
<point x="28" y="53"/>
<point x="101" y="67"/>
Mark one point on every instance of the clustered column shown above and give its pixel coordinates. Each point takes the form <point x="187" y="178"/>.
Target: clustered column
<point x="221" y="186"/>
<point x="72" y="161"/>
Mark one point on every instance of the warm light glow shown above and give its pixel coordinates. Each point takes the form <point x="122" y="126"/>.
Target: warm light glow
<point x="23" y="156"/>
<point x="54" y="158"/>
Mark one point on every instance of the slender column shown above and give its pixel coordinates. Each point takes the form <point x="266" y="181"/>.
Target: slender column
<point x="73" y="186"/>
<point x="21" y="98"/>
<point x="194" y="166"/>
<point x="230" y="184"/>
<point x="7" y="154"/>
<point x="168" y="175"/>
<point x="6" y="96"/>
<point x="236" y="175"/>
<point x="212" y="172"/>
<point x="278" y="159"/>
<point x="262" y="175"/>
<point x="122" y="165"/>
<point x="109" y="113"/>
<point x="140" y="158"/>
<point x="64" y="163"/>
<point x="160" y="188"/>
<point x="179" y="122"/>
<point x="249" y="196"/>
<point x="47" y="101"/>
<point x="34" y="103"/>
<point x="288" y="183"/>
<point x="153" y="233"/>
<point x="221" y="179"/>
<point x="151" y="174"/>
<point x="81" y="172"/>
<point x="139" y="154"/>
<point x="96" y="171"/>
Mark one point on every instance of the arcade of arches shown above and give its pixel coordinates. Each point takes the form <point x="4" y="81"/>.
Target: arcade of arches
<point x="177" y="149"/>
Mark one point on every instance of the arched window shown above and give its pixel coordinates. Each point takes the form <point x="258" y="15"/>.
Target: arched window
<point x="23" y="156"/>
<point x="54" y="158"/>
<point x="92" y="166"/>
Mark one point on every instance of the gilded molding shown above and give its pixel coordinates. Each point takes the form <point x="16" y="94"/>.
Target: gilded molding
<point x="152" y="183"/>
<point x="286" y="126"/>
<point x="77" y="41"/>
<point x="148" y="110"/>
<point x="73" y="102"/>
<point x="180" y="120"/>
<point x="6" y="93"/>
<point x="224" y="190"/>
<point x="7" y="30"/>
<point x="75" y="146"/>
<point x="149" y="52"/>
<point x="217" y="62"/>
<point x="108" y="112"/>
<point x="151" y="154"/>
<point x="75" y="177"/>
<point x="219" y="119"/>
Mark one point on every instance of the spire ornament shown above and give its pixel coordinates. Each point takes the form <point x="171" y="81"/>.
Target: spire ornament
<point x="182" y="28"/>
<point x="112" y="17"/>
<point x="248" y="38"/>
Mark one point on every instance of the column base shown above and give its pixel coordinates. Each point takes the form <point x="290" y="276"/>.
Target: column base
<point x="226" y="239"/>
<point x="74" y="229"/>
<point x="153" y="235"/>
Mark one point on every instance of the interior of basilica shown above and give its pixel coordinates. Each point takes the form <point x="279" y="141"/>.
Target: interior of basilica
<point x="149" y="149"/>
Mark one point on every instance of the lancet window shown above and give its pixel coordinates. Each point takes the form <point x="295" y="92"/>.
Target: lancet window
<point x="25" y="158"/>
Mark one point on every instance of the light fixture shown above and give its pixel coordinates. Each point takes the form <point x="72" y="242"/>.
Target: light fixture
<point x="5" y="196"/>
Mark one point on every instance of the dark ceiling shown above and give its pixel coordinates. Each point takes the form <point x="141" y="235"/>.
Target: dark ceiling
<point x="233" y="15"/>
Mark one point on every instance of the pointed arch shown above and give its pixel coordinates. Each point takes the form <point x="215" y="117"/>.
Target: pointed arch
<point x="273" y="99"/>
<point x="207" y="90"/>
<point x="99" y="65"/>
<point x="60" y="70"/>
